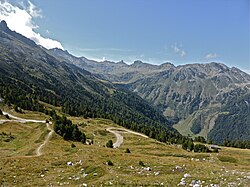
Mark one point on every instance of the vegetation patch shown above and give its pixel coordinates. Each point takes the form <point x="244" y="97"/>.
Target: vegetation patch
<point x="227" y="159"/>
<point x="42" y="136"/>
<point x="58" y="163"/>
<point x="6" y="137"/>
<point x="102" y="132"/>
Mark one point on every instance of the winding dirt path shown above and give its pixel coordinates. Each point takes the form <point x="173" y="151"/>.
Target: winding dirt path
<point x="119" y="137"/>
<point x="38" y="151"/>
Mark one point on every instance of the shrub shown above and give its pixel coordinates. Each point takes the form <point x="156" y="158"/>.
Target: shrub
<point x="215" y="150"/>
<point x="141" y="163"/>
<point x="200" y="148"/>
<point x="127" y="150"/>
<point x="109" y="144"/>
<point x="110" y="163"/>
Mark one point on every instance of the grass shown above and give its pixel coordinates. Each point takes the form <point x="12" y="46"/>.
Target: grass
<point x="227" y="159"/>
<point x="51" y="168"/>
<point x="26" y="138"/>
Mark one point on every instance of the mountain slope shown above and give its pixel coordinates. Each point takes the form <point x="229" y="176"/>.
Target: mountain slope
<point x="198" y="97"/>
<point x="29" y="73"/>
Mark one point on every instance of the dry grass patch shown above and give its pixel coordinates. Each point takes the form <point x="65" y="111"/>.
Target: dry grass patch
<point x="89" y="162"/>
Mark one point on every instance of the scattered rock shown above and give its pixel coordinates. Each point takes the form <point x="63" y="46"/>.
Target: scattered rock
<point x="186" y="175"/>
<point x="182" y="183"/>
<point x="214" y="185"/>
<point x="156" y="173"/>
<point x="85" y="175"/>
<point x="178" y="169"/>
<point x="197" y="185"/>
<point x="147" y="169"/>
<point x="70" y="164"/>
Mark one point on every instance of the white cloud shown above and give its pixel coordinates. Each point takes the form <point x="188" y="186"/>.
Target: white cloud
<point x="178" y="49"/>
<point x="34" y="11"/>
<point x="211" y="55"/>
<point x="21" y="21"/>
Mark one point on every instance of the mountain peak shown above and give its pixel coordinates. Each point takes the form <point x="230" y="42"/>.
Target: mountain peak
<point x="4" y="28"/>
<point x="121" y="62"/>
<point x="3" y="25"/>
<point x="138" y="62"/>
<point x="58" y="50"/>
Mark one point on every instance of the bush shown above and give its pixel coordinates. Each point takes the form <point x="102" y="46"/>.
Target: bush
<point x="17" y="109"/>
<point x="200" y="139"/>
<point x="7" y="116"/>
<point x="127" y="150"/>
<point x="110" y="163"/>
<point x="141" y="163"/>
<point x="215" y="150"/>
<point x="200" y="148"/>
<point x="109" y="144"/>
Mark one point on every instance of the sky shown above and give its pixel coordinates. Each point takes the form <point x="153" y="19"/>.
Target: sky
<point x="154" y="31"/>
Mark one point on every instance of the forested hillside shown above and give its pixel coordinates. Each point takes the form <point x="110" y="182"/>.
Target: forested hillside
<point x="29" y="74"/>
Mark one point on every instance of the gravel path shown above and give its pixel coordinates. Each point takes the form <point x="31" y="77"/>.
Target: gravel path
<point x="119" y="138"/>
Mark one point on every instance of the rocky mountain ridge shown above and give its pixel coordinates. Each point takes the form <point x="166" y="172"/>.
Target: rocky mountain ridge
<point x="194" y="96"/>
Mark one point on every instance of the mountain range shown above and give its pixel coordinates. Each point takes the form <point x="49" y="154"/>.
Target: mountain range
<point x="210" y="100"/>
<point x="31" y="75"/>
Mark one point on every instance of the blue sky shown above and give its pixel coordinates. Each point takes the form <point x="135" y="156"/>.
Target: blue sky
<point x="153" y="31"/>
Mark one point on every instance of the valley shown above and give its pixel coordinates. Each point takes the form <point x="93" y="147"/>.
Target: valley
<point x="187" y="95"/>
<point x="167" y="163"/>
<point x="68" y="120"/>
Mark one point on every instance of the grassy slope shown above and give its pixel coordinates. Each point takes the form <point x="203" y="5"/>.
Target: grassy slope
<point x="51" y="168"/>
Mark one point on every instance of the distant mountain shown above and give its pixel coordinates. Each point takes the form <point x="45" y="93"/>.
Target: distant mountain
<point x="30" y="73"/>
<point x="210" y="99"/>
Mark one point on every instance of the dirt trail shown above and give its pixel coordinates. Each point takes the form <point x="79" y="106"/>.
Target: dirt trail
<point x="39" y="149"/>
<point x="119" y="137"/>
<point x="21" y="120"/>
